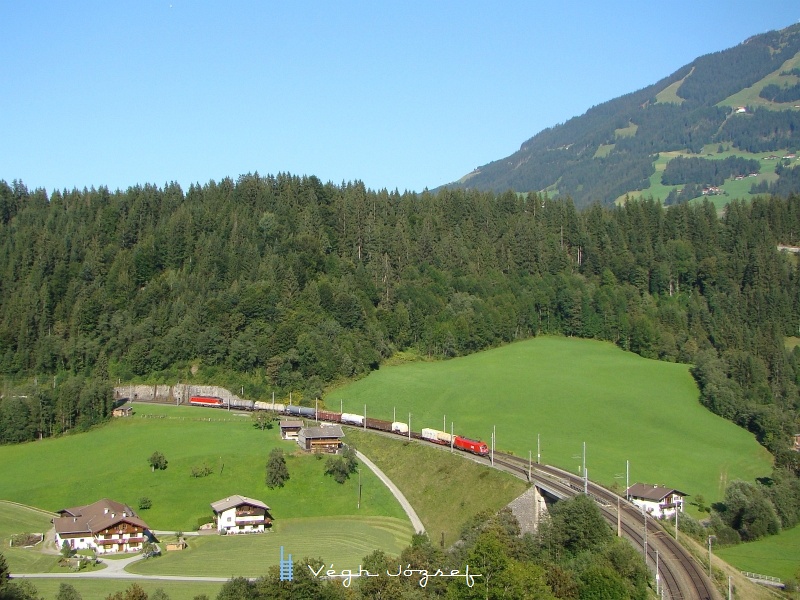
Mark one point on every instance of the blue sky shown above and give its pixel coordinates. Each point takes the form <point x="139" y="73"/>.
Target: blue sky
<point x="402" y="95"/>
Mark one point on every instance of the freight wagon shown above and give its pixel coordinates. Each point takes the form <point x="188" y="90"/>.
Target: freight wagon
<point x="436" y="436"/>
<point x="352" y="419"/>
<point x="401" y="428"/>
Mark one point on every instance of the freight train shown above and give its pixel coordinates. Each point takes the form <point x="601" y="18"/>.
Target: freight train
<point x="398" y="427"/>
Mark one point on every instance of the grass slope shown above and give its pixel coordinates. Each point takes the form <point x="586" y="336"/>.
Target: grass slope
<point x="111" y="461"/>
<point x="445" y="489"/>
<point x="776" y="556"/>
<point x="342" y="541"/>
<point x="22" y="519"/>
<point x="571" y="391"/>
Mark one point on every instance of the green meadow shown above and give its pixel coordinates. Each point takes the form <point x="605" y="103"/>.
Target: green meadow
<point x="343" y="541"/>
<point x="111" y="461"/>
<point x="776" y="556"/>
<point x="567" y="392"/>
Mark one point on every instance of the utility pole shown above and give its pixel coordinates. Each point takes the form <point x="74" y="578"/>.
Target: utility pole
<point x="709" y="556"/>
<point x="585" y="478"/>
<point x="409" y="425"/>
<point x="538" y="451"/>
<point x="627" y="478"/>
<point x="657" y="578"/>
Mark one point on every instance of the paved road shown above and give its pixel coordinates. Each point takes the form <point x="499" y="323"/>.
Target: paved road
<point x="412" y="514"/>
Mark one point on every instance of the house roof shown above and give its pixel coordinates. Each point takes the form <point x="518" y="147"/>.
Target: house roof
<point x="94" y="518"/>
<point x="647" y="491"/>
<point x="285" y="424"/>
<point x="329" y="431"/>
<point x="236" y="500"/>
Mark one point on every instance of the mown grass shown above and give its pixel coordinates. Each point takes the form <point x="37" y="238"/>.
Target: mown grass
<point x="570" y="391"/>
<point x="445" y="489"/>
<point x="111" y="461"/>
<point x="339" y="540"/>
<point x="15" y="519"/>
<point x="776" y="556"/>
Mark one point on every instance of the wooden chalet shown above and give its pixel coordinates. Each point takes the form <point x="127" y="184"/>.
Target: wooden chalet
<point x="656" y="500"/>
<point x="240" y="514"/>
<point x="105" y="526"/>
<point x="321" y="439"/>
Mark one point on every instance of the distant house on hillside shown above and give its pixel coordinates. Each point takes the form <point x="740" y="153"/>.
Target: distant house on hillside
<point x="104" y="526"/>
<point x="658" y="501"/>
<point x="122" y="411"/>
<point x="240" y="514"/>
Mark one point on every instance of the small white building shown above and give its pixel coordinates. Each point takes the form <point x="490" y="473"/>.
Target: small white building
<point x="240" y="514"/>
<point x="658" y="501"/>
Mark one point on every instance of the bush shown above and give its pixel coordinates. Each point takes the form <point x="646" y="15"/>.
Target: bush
<point x="145" y="503"/>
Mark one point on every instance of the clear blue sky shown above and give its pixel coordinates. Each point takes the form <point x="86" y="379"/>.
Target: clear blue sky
<point x="402" y="95"/>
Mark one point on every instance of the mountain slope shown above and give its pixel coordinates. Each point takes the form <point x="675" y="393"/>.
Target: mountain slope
<point x="611" y="149"/>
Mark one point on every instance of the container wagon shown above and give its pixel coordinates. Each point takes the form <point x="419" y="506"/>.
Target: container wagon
<point x="436" y="436"/>
<point x="401" y="428"/>
<point x="352" y="419"/>
<point x="474" y="446"/>
<point x="209" y="401"/>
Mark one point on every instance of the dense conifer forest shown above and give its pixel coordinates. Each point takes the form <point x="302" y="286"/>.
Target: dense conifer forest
<point x="297" y="284"/>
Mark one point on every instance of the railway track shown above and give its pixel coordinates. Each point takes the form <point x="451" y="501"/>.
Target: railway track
<point x="680" y="575"/>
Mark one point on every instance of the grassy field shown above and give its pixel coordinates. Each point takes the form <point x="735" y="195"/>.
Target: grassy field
<point x="777" y="555"/>
<point x="468" y="488"/>
<point x="21" y="519"/>
<point x="570" y="391"/>
<point x="111" y="461"/>
<point x="733" y="189"/>
<point x="97" y="589"/>
<point x="339" y="540"/>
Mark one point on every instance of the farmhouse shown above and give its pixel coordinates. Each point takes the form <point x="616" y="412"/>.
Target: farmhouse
<point x="104" y="526"/>
<point x="240" y="514"/>
<point x="321" y="439"/>
<point x="658" y="501"/>
<point x="122" y="411"/>
<point x="290" y="429"/>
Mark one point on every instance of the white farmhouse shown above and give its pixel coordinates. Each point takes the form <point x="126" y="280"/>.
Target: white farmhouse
<point x="658" y="501"/>
<point x="240" y="514"/>
<point x="104" y="526"/>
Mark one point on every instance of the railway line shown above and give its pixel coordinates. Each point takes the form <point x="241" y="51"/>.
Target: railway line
<point x="678" y="573"/>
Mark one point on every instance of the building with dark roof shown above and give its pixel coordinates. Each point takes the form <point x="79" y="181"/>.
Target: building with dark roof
<point x="240" y="514"/>
<point x="321" y="439"/>
<point x="656" y="500"/>
<point x="104" y="526"/>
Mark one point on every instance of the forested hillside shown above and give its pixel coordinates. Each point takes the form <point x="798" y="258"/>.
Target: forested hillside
<point x="611" y="149"/>
<point x="296" y="284"/>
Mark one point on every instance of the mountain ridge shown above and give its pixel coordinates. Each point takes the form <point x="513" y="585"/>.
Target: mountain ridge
<point x="611" y="149"/>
